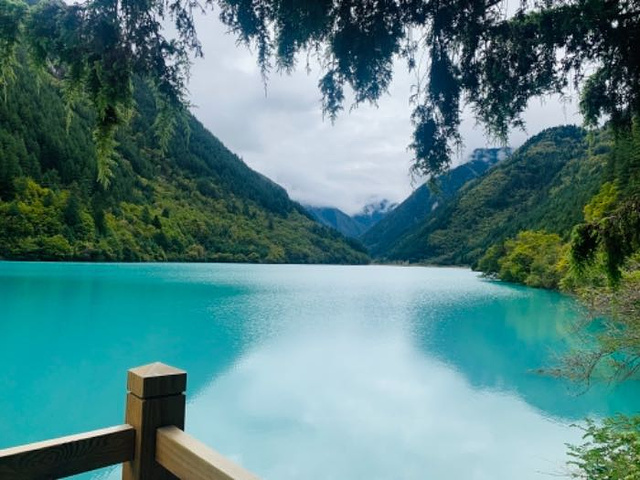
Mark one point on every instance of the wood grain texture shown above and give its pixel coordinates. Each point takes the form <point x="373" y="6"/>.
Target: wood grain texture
<point x="191" y="459"/>
<point x="67" y="456"/>
<point x="156" y="380"/>
<point x="146" y="415"/>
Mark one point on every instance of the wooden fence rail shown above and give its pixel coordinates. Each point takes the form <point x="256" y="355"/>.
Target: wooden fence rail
<point x="70" y="455"/>
<point x="151" y="445"/>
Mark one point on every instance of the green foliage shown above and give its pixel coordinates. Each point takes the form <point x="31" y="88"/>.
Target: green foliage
<point x="195" y="201"/>
<point x="544" y="185"/>
<point x="616" y="235"/>
<point x="426" y="199"/>
<point x="12" y="15"/>
<point x="496" y="62"/>
<point x="97" y="49"/>
<point x="459" y="50"/>
<point x="585" y="236"/>
<point x="106" y="156"/>
<point x="602" y="203"/>
<point x="489" y="264"/>
<point x="611" y="450"/>
<point x="613" y="217"/>
<point x="532" y="258"/>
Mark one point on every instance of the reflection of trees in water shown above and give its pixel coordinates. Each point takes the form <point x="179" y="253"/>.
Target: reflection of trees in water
<point x="503" y="343"/>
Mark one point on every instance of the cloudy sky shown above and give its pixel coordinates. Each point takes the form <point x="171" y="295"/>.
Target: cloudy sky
<point x="362" y="158"/>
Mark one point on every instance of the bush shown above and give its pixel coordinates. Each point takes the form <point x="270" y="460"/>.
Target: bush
<point x="532" y="258"/>
<point x="55" y="248"/>
<point x="489" y="264"/>
<point x="611" y="450"/>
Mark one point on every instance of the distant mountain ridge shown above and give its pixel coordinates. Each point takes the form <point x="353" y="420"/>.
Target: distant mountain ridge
<point x="372" y="213"/>
<point x="425" y="200"/>
<point x="352" y="226"/>
<point x="544" y="185"/>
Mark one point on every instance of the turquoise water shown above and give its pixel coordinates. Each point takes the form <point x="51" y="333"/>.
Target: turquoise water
<point x="314" y="372"/>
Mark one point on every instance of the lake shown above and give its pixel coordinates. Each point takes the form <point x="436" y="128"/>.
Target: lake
<point x="314" y="372"/>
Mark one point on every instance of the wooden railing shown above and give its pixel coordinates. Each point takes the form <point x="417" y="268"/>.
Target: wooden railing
<point x="151" y="444"/>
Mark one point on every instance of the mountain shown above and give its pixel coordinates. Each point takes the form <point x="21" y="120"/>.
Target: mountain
<point x="425" y="200"/>
<point x="351" y="226"/>
<point x="544" y="185"/>
<point x="193" y="200"/>
<point x="338" y="220"/>
<point x="372" y="213"/>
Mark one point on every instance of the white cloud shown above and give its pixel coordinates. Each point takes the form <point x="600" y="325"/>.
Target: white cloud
<point x="360" y="159"/>
<point x="288" y="419"/>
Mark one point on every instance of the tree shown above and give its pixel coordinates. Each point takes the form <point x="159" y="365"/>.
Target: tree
<point x="610" y="451"/>
<point x="532" y="258"/>
<point x="612" y="218"/>
<point x="474" y="51"/>
<point x="98" y="47"/>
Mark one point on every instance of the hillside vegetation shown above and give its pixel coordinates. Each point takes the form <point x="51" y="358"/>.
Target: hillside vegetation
<point x="426" y="199"/>
<point x="542" y="186"/>
<point x="189" y="199"/>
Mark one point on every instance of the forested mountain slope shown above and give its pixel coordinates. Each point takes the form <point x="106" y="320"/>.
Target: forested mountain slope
<point x="193" y="200"/>
<point x="544" y="185"/>
<point x="424" y="201"/>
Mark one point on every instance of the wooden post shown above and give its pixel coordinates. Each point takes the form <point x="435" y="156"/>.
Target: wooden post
<point x="155" y="399"/>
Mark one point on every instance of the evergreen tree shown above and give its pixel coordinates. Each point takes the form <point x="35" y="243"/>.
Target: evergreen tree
<point x="474" y="50"/>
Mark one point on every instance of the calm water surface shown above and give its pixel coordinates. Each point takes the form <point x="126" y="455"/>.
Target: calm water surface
<point x="314" y="372"/>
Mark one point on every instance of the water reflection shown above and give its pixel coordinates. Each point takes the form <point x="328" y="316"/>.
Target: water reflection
<point x="502" y="343"/>
<point x="356" y="405"/>
<point x="313" y="372"/>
